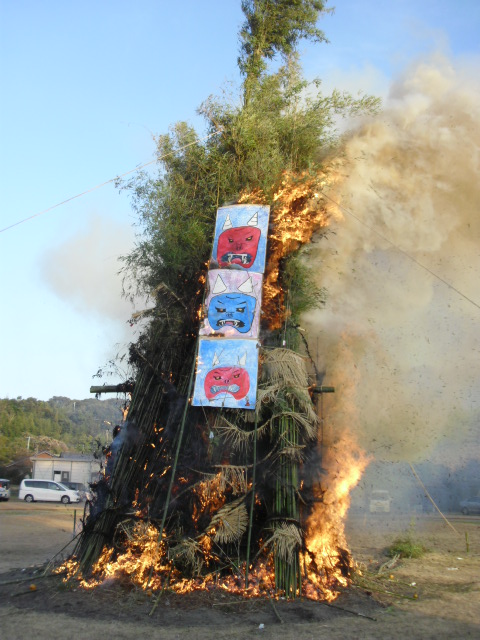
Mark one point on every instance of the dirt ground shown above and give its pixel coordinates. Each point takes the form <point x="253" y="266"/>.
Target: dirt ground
<point x="435" y="596"/>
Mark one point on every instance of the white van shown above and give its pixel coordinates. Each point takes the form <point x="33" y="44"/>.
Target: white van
<point x="47" y="490"/>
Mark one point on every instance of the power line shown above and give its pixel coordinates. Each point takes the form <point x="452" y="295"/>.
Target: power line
<point x="79" y="195"/>
<point x="380" y="235"/>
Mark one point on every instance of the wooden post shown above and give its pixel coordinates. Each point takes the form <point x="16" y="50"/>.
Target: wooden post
<point x="124" y="387"/>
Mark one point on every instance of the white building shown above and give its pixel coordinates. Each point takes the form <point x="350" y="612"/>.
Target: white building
<point x="67" y="467"/>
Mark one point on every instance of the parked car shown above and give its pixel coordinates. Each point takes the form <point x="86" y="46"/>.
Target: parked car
<point x="46" y="490"/>
<point x="471" y="505"/>
<point x="379" y="501"/>
<point x="77" y="486"/>
<point x="4" y="489"/>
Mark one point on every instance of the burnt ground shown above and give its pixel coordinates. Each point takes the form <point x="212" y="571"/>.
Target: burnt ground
<point x="435" y="596"/>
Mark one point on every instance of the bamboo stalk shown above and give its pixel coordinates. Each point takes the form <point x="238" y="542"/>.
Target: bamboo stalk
<point x="172" y="477"/>
<point x="431" y="499"/>
<point x="252" y="503"/>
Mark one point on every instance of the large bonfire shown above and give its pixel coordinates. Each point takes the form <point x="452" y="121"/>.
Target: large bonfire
<point x="199" y="498"/>
<point x="196" y="497"/>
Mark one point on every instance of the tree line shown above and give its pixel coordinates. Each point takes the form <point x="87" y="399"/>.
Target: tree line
<point x="59" y="424"/>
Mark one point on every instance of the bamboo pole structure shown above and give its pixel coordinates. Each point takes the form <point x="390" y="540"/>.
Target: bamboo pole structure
<point x="287" y="565"/>
<point x="145" y="478"/>
<point x="172" y="478"/>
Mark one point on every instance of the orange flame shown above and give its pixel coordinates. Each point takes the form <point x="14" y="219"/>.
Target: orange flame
<point x="146" y="561"/>
<point x="328" y="561"/>
<point x="297" y="213"/>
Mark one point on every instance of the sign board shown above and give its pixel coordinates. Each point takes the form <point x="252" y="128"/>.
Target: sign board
<point x="232" y="304"/>
<point x="240" y="240"/>
<point x="227" y="359"/>
<point x="226" y="373"/>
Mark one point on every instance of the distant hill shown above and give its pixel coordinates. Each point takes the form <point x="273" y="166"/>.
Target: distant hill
<point x="59" y="424"/>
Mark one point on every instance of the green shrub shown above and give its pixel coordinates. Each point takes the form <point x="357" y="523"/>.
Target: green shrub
<point x="405" y="547"/>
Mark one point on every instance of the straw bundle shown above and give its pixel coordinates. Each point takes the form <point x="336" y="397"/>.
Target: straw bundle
<point x="230" y="522"/>
<point x="189" y="554"/>
<point x="292" y="424"/>
<point x="240" y="440"/>
<point x="234" y="478"/>
<point x="283" y="365"/>
<point x="286" y="539"/>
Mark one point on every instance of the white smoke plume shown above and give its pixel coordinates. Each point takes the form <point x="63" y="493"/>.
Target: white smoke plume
<point x="84" y="269"/>
<point x="400" y="335"/>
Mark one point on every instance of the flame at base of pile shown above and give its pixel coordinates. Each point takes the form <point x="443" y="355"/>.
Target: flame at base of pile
<point x="146" y="565"/>
<point x="325" y="527"/>
<point x="140" y="558"/>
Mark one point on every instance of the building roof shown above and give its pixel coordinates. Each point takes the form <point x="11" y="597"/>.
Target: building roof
<point x="71" y="457"/>
<point x="43" y="455"/>
<point x="86" y="457"/>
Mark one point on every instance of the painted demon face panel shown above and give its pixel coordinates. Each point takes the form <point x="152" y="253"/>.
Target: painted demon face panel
<point x="232" y="310"/>
<point x="238" y="246"/>
<point x="232" y="380"/>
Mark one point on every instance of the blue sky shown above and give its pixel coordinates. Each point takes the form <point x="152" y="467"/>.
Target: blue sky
<point x="85" y="87"/>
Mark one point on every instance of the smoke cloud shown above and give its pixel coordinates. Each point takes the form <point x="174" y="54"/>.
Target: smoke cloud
<point x="84" y="270"/>
<point x="399" y="337"/>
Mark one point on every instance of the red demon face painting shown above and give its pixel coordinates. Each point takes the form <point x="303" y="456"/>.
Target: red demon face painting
<point x="232" y="380"/>
<point x="238" y="246"/>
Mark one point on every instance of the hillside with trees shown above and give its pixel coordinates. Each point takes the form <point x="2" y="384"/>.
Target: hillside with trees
<point x="59" y="424"/>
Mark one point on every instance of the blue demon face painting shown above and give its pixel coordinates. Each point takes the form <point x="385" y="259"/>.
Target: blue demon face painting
<point x="232" y="310"/>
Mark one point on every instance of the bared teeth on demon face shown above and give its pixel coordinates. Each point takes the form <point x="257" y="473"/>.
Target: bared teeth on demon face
<point x="236" y="258"/>
<point x="231" y="323"/>
<point x="233" y="388"/>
